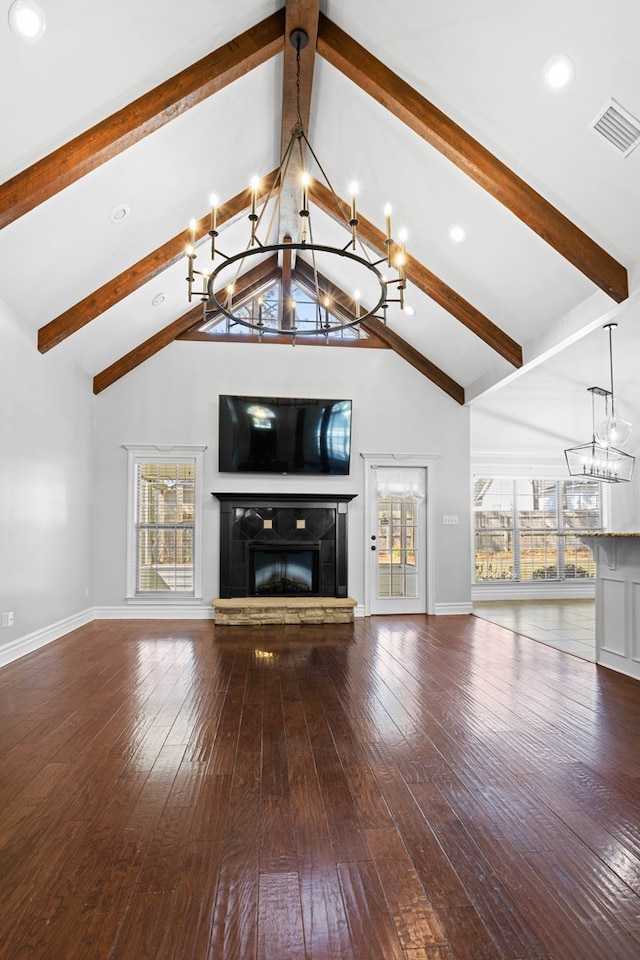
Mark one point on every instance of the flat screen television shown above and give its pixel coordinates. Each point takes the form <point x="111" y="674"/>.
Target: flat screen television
<point x="284" y="435"/>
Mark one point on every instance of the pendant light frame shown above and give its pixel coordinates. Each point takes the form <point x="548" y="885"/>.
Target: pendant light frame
<point x="598" y="460"/>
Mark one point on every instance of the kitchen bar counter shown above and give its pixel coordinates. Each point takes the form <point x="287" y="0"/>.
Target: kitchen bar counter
<point x="617" y="556"/>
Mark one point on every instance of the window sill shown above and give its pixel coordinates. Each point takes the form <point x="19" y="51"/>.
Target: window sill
<point x="168" y="600"/>
<point x="533" y="589"/>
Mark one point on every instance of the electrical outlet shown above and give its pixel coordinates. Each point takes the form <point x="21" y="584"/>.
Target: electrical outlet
<point x="450" y="519"/>
<point x="10" y="618"/>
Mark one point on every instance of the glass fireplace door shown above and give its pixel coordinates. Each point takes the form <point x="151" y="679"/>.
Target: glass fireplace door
<point x="283" y="570"/>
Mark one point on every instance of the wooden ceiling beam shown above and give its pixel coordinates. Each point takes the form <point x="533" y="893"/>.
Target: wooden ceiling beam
<point x="288" y="308"/>
<point x="425" y="280"/>
<point x="143" y="116"/>
<point x="245" y="286"/>
<point x="300" y="14"/>
<point x="393" y="93"/>
<point x="342" y="302"/>
<point x="141" y="272"/>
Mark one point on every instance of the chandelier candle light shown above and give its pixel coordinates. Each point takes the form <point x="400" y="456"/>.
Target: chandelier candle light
<point x="599" y="459"/>
<point x="328" y="315"/>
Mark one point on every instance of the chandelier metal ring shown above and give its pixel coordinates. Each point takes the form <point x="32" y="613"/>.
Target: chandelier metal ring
<point x="215" y="300"/>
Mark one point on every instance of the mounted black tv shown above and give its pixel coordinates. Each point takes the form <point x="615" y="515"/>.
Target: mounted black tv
<point x="284" y="435"/>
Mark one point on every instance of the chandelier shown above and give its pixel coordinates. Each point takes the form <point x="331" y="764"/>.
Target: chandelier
<point x="325" y="313"/>
<point x="600" y="459"/>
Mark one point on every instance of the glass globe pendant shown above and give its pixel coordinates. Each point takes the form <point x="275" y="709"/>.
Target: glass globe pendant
<point x="613" y="431"/>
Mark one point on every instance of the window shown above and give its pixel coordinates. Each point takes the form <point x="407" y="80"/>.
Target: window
<point x="164" y="522"/>
<point x="266" y="307"/>
<point x="523" y="528"/>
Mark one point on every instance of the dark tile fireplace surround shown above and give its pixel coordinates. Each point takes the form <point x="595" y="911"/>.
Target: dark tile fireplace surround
<point x="283" y="545"/>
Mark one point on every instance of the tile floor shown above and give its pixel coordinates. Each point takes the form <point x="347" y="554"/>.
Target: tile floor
<point x="568" y="625"/>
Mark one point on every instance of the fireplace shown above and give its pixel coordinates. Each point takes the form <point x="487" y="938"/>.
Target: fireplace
<point x="283" y="545"/>
<point x="286" y="570"/>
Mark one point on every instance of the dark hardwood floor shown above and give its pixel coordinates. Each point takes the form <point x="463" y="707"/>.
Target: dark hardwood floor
<point x="407" y="788"/>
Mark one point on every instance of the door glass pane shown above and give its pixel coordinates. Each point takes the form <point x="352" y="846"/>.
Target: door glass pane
<point x="411" y="585"/>
<point x="397" y="547"/>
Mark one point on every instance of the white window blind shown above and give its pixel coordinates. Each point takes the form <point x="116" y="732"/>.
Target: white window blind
<point x="528" y="529"/>
<point x="165" y="499"/>
<point x="403" y="482"/>
<point x="164" y="524"/>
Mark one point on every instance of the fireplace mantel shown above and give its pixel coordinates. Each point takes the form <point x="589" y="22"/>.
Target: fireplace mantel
<point x="259" y="498"/>
<point x="249" y="521"/>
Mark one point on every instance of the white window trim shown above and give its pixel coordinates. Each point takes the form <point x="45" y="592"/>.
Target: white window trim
<point x="151" y="452"/>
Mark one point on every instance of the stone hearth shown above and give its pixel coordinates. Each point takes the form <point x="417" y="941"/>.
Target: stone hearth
<point x="259" y="611"/>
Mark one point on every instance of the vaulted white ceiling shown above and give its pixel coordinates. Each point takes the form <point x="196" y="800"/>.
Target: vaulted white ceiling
<point x="481" y="64"/>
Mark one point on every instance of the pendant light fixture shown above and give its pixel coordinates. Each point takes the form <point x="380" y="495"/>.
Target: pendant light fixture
<point x="600" y="459"/>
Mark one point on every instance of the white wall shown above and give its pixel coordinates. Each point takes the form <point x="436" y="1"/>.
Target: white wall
<point x="46" y="428"/>
<point x="172" y="399"/>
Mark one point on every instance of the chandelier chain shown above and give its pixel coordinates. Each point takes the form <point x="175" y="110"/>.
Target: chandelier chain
<point x="299" y="117"/>
<point x="613" y="409"/>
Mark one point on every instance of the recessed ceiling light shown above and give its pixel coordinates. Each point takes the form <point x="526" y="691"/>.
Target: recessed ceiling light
<point x="119" y="213"/>
<point x="158" y="300"/>
<point x="457" y="233"/>
<point x="409" y="310"/>
<point x="558" y="72"/>
<point x="27" y="20"/>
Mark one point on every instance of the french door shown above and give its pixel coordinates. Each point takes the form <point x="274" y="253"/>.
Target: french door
<point x="396" y="575"/>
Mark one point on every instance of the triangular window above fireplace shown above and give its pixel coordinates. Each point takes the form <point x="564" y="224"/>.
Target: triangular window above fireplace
<point x="266" y="306"/>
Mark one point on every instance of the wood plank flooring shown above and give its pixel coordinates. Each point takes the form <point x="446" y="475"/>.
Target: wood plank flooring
<point x="401" y="788"/>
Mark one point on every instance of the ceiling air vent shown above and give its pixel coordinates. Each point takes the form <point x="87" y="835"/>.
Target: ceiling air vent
<point x="618" y="127"/>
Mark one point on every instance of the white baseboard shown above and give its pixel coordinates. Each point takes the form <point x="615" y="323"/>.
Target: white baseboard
<point x="453" y="609"/>
<point x="359" y="611"/>
<point x="151" y="611"/>
<point x="40" y="638"/>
